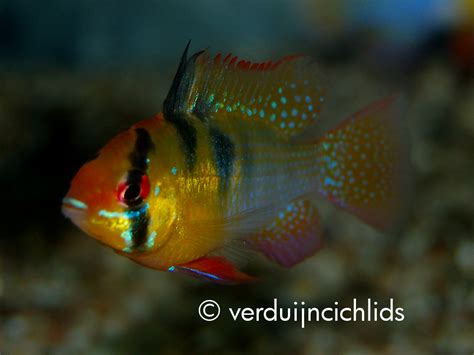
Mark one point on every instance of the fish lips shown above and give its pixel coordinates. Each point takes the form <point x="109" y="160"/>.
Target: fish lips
<point x="74" y="209"/>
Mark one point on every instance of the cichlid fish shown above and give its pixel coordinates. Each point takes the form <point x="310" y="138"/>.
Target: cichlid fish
<point x="233" y="163"/>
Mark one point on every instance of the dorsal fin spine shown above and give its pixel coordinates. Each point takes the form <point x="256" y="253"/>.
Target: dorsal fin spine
<point x="227" y="57"/>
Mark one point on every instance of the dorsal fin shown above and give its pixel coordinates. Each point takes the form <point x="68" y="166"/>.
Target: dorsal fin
<point x="285" y="94"/>
<point x="178" y="93"/>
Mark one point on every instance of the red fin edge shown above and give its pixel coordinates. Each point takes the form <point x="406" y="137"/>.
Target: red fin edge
<point x="216" y="269"/>
<point x="248" y="65"/>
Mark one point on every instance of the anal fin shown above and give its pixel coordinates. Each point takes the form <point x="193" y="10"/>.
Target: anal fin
<point x="294" y="235"/>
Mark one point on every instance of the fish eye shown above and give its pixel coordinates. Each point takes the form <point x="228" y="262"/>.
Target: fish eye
<point x="133" y="193"/>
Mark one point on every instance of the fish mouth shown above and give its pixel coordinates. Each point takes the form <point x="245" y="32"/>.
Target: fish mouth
<point x="73" y="208"/>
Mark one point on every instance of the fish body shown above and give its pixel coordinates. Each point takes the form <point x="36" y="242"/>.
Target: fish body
<point x="232" y="163"/>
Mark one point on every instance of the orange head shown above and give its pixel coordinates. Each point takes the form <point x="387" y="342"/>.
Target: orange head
<point x="112" y="198"/>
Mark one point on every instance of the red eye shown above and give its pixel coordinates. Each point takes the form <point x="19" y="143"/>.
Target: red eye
<point x="132" y="193"/>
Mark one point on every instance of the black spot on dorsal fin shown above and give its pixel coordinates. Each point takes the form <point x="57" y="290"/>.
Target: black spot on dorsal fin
<point x="175" y="106"/>
<point x="176" y="100"/>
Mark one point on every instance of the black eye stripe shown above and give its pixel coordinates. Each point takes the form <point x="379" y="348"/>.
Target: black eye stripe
<point x="134" y="176"/>
<point x="139" y="155"/>
<point x="139" y="163"/>
<point x="140" y="231"/>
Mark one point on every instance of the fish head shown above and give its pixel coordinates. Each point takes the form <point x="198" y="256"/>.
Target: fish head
<point x="110" y="199"/>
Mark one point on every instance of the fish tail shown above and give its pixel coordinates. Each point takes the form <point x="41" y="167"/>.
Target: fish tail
<point x="364" y="164"/>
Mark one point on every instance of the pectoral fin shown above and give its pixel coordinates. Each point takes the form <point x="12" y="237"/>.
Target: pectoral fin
<point x="216" y="269"/>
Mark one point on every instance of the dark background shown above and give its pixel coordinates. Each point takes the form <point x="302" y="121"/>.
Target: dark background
<point x="75" y="73"/>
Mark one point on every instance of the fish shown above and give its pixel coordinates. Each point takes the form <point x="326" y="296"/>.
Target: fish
<point x="231" y="168"/>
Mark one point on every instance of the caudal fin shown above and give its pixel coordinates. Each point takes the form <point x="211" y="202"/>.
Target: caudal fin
<point x="364" y="164"/>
